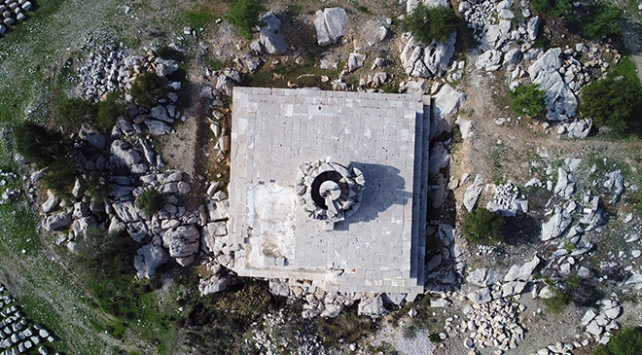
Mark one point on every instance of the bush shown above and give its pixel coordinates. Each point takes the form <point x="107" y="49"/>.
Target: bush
<point x="555" y="8"/>
<point x="558" y="302"/>
<point x="527" y="100"/>
<point x="244" y="16"/>
<point x="428" y="24"/>
<point x="626" y="342"/>
<point x="602" y="20"/>
<point x="38" y="144"/>
<point x="483" y="227"/>
<point x="109" y="110"/>
<point x="611" y="102"/>
<point x="61" y="175"/>
<point x="150" y="201"/>
<point x="74" y="112"/>
<point x="147" y="87"/>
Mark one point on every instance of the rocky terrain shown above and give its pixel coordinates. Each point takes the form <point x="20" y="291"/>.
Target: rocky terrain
<point x="567" y="193"/>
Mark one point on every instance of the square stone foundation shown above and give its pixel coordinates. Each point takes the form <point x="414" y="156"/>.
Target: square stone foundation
<point x="381" y="247"/>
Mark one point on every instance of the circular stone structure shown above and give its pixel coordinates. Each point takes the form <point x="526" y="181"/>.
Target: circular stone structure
<point x="329" y="192"/>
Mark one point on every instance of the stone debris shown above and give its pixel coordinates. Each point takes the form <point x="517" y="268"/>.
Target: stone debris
<point x="600" y="324"/>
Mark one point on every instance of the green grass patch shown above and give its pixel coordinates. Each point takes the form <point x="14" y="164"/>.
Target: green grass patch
<point x="199" y="18"/>
<point x="626" y="342"/>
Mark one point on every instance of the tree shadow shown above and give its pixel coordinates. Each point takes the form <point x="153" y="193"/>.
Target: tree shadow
<point x="521" y="229"/>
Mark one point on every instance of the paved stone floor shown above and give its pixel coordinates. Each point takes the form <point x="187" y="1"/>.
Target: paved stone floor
<point x="380" y="247"/>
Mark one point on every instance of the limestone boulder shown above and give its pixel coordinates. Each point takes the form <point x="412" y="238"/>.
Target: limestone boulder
<point x="473" y="192"/>
<point x="270" y="37"/>
<point x="57" y="221"/>
<point x="52" y="202"/>
<point x="330" y="25"/>
<point x="555" y="226"/>
<point x="158" y="128"/>
<point x="148" y="258"/>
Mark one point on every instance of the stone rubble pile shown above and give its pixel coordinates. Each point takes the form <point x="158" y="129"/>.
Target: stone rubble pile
<point x="268" y="340"/>
<point x="13" y="12"/>
<point x="506" y="201"/>
<point x="104" y="72"/>
<point x="429" y="61"/>
<point x="493" y="324"/>
<point x="17" y="334"/>
<point x="445" y="263"/>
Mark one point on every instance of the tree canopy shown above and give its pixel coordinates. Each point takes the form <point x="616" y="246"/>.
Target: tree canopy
<point x="428" y="24"/>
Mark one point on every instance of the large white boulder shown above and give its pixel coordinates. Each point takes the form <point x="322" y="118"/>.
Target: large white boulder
<point x="149" y="258"/>
<point x="330" y="25"/>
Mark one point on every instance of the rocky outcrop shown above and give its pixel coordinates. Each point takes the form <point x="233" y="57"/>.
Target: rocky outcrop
<point x="429" y="62"/>
<point x="182" y="243"/>
<point x="561" y="103"/>
<point x="556" y="225"/>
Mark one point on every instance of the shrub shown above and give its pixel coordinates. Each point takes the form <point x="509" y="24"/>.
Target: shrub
<point x="626" y="342"/>
<point x="38" y="144"/>
<point x="602" y="20"/>
<point x="147" y="87"/>
<point x="109" y="110"/>
<point x="61" y="175"/>
<point x="483" y="227"/>
<point x="75" y="111"/>
<point x="150" y="201"/>
<point x="428" y="24"/>
<point x="558" y="302"/>
<point x="527" y="100"/>
<point x="555" y="8"/>
<point x="244" y="16"/>
<point x="611" y="102"/>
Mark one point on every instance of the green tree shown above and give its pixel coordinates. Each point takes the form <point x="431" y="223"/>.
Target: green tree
<point x="428" y="24"/>
<point x="527" y="100"/>
<point x="611" y="102"/>
<point x="73" y="112"/>
<point x="555" y="8"/>
<point x="110" y="109"/>
<point x="244" y="16"/>
<point x="150" y="201"/>
<point x="147" y="87"/>
<point x="602" y="20"/>
<point x="626" y="342"/>
<point x="482" y="226"/>
<point x="38" y="144"/>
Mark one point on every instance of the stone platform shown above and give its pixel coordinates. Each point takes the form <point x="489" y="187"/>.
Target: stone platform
<point x="381" y="247"/>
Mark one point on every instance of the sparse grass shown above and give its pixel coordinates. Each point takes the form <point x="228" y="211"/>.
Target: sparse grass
<point x="301" y="75"/>
<point x="347" y="326"/>
<point x="557" y="304"/>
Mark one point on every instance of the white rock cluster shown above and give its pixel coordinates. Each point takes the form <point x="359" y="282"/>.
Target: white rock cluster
<point x="506" y="201"/>
<point x="13" y="12"/>
<point x="600" y="324"/>
<point x="493" y="324"/>
<point x="17" y="334"/>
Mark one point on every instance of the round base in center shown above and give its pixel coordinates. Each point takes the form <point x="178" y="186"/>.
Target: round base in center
<point x="330" y="189"/>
